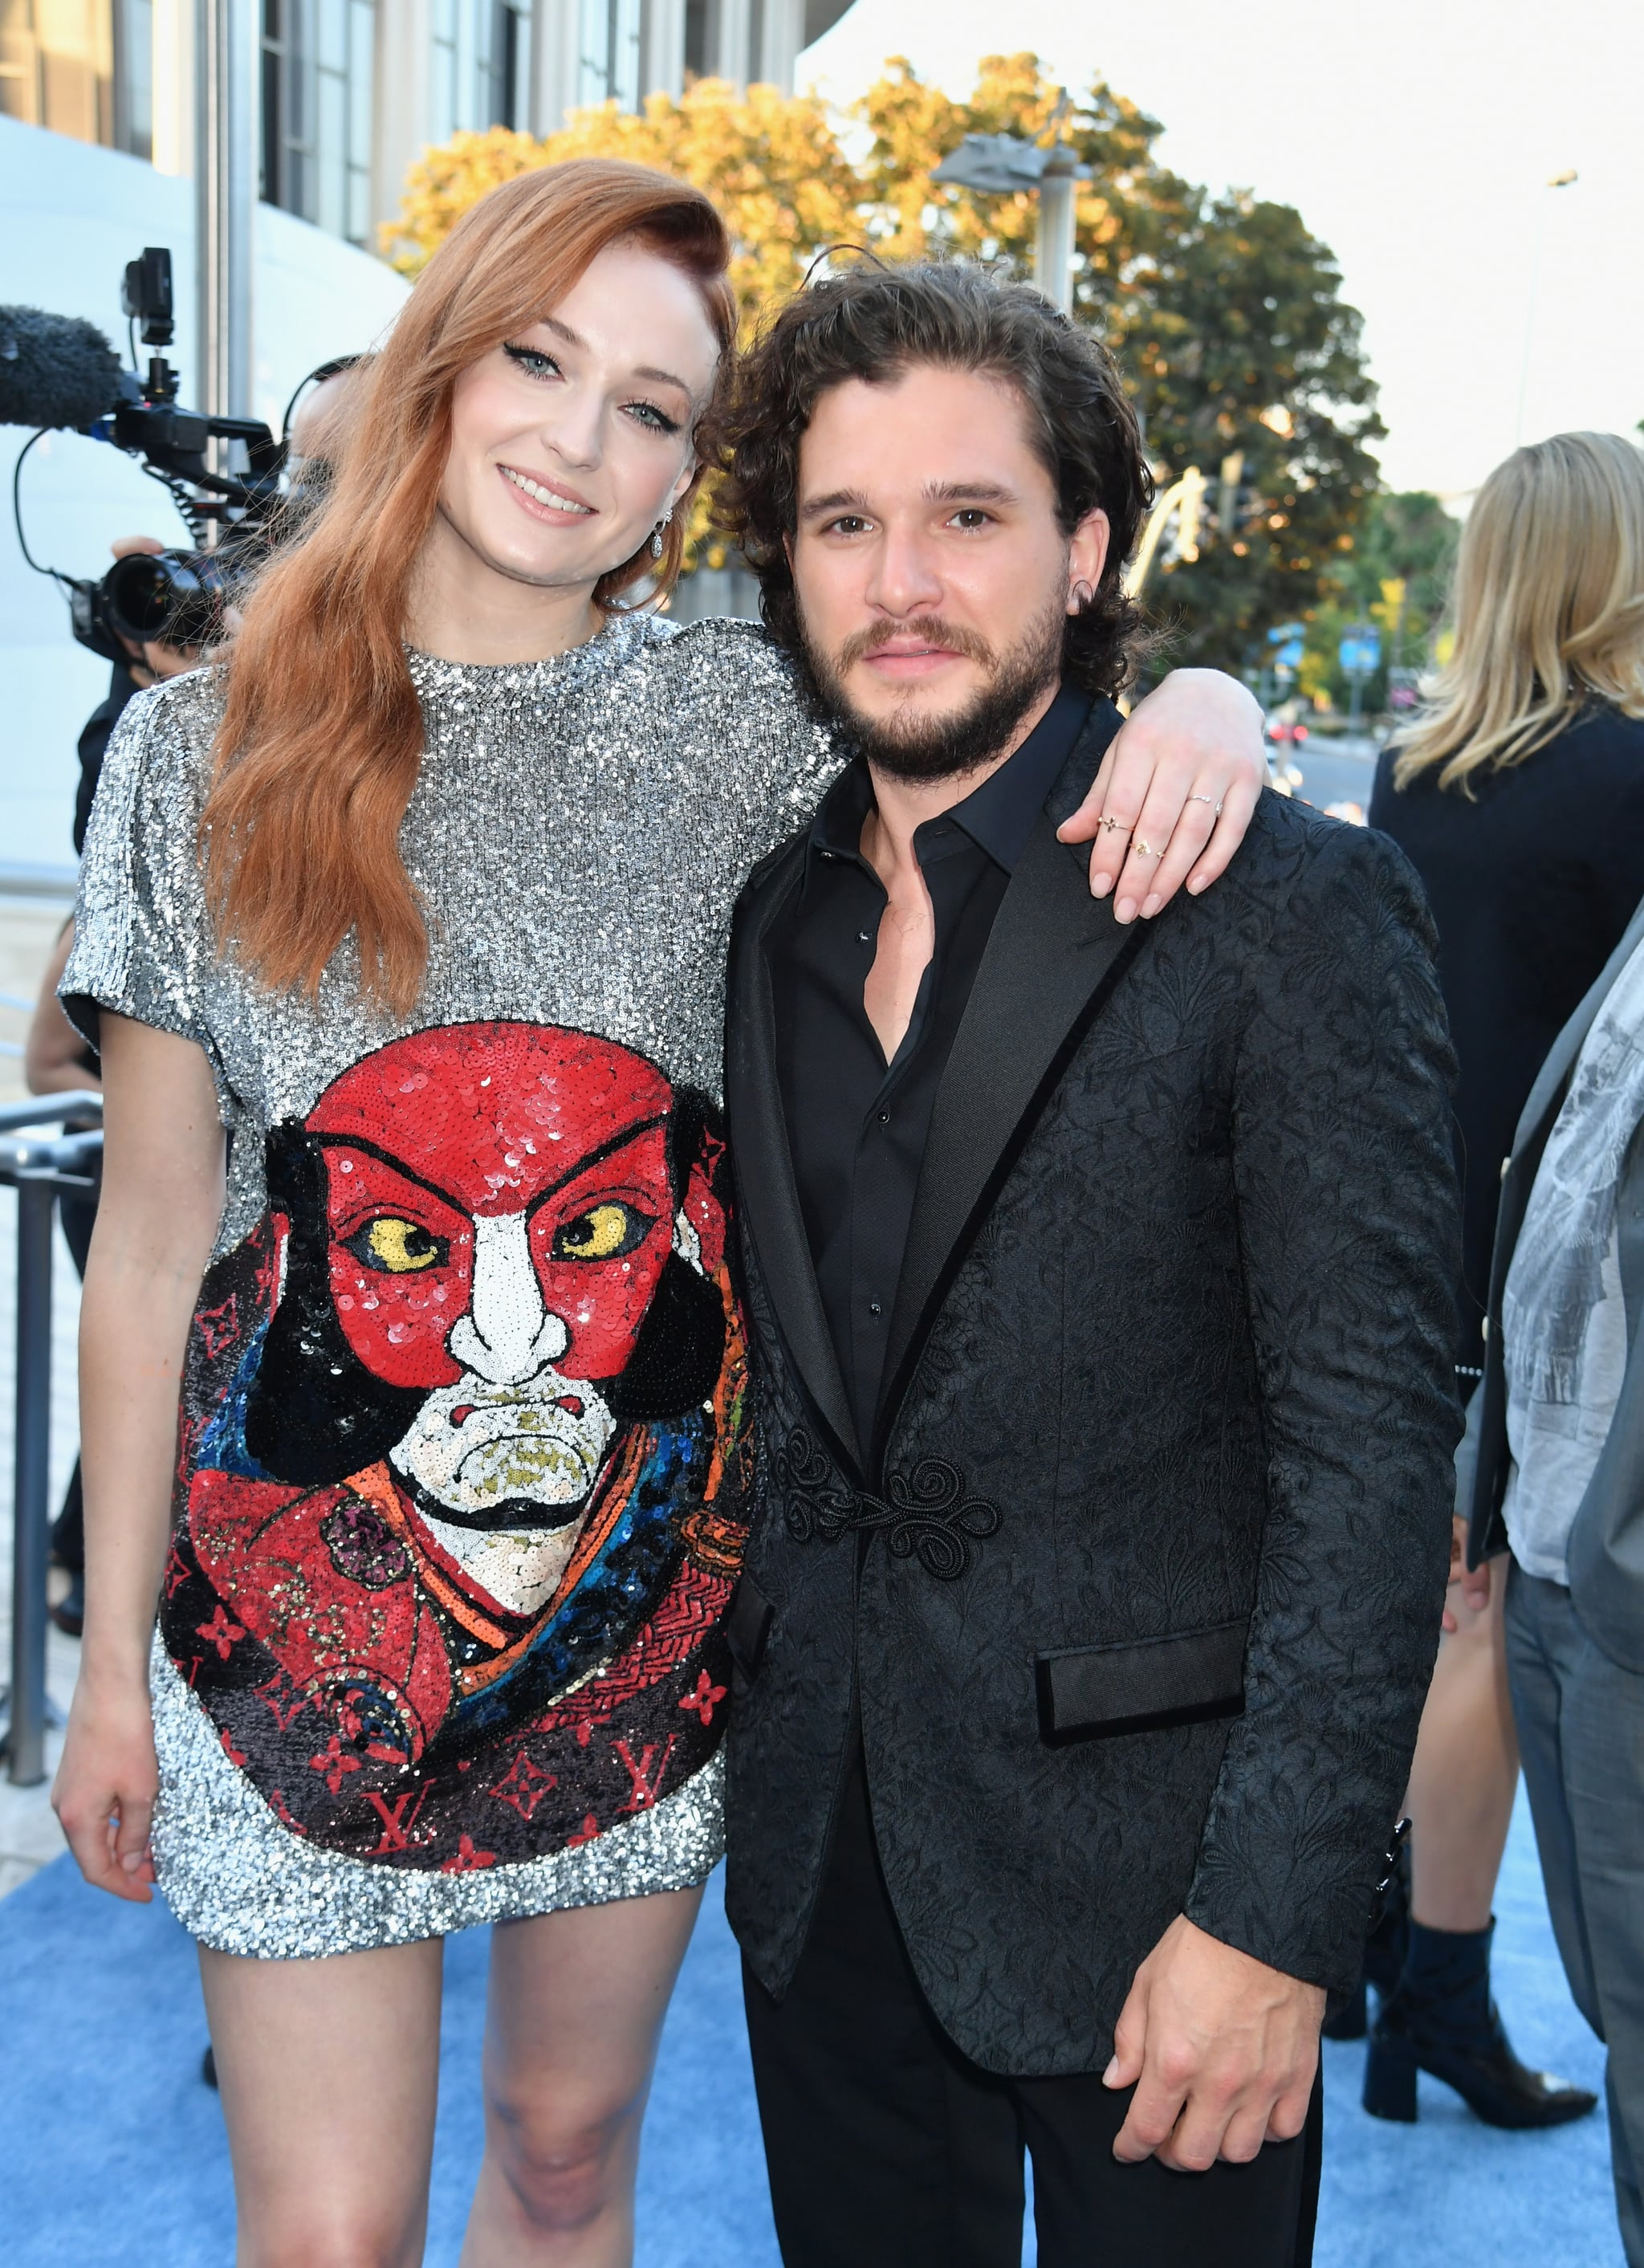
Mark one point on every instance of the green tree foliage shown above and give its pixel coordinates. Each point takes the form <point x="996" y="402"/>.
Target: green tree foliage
<point x="1226" y="315"/>
<point x="1243" y="347"/>
<point x="1225" y="312"/>
<point x="1398" y="577"/>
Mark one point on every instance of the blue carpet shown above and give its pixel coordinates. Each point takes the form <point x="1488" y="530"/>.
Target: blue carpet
<point x="112" y="2152"/>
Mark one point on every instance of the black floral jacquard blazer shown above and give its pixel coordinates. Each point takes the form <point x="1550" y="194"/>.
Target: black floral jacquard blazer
<point x="1137" y="1592"/>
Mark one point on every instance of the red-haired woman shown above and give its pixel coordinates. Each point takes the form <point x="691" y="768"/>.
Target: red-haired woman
<point x="423" y="897"/>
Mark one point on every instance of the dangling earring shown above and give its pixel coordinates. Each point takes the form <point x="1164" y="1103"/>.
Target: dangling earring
<point x="656" y="533"/>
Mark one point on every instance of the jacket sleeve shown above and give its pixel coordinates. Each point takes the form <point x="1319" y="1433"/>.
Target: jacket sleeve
<point x="1350" y="1239"/>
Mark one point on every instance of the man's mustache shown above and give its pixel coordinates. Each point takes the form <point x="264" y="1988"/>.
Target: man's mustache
<point x="930" y="629"/>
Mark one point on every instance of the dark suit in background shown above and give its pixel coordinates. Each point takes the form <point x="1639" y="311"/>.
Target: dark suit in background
<point x="1576" y="1650"/>
<point x="1531" y="880"/>
<point x="1126" y="1608"/>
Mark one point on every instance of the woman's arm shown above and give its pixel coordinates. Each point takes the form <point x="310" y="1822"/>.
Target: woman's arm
<point x="162" y="1198"/>
<point x="1175" y="792"/>
<point x="54" y="1054"/>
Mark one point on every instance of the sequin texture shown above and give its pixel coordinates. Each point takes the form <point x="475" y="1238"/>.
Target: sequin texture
<point x="468" y="1455"/>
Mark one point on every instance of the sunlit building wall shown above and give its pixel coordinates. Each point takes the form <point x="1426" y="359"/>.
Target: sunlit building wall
<point x="352" y="91"/>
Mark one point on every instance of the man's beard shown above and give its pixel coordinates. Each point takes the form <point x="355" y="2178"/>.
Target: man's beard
<point x="905" y="745"/>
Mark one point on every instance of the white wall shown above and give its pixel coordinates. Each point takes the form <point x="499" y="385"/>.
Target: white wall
<point x="71" y="216"/>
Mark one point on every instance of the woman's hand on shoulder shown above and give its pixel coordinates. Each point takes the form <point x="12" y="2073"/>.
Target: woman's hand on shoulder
<point x="1175" y="792"/>
<point x="106" y="1783"/>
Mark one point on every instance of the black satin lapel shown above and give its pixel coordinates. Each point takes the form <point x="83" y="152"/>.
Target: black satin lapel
<point x="1054" y="956"/>
<point x="763" y="1163"/>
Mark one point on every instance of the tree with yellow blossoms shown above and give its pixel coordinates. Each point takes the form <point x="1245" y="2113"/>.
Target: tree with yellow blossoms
<point x="1224" y="312"/>
<point x="771" y="163"/>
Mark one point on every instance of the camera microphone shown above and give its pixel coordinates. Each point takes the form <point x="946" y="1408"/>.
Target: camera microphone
<point x="55" y="370"/>
<point x="59" y="371"/>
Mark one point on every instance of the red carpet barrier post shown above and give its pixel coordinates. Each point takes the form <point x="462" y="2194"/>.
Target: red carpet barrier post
<point x="40" y="1168"/>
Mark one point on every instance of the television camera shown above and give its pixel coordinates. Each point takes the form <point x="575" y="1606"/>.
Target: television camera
<point x="60" y="373"/>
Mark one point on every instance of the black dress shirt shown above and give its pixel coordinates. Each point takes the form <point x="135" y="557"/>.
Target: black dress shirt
<point x="856" y="1126"/>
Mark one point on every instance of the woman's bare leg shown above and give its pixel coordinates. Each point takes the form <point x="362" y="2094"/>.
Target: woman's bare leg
<point x="1465" y="1771"/>
<point x="575" y="2012"/>
<point x="329" y="2070"/>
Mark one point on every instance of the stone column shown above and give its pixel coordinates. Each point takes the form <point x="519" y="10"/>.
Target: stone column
<point x="782" y="35"/>
<point x="662" y="49"/>
<point x="556" y="63"/>
<point x="174" y="86"/>
<point x="732" y="31"/>
<point x="403" y="52"/>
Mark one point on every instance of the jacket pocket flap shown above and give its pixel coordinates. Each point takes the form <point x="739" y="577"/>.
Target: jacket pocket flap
<point x="1131" y="1688"/>
<point x="747" y="1626"/>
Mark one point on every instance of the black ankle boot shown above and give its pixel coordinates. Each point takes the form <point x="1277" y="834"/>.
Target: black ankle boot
<point x="1441" y="2019"/>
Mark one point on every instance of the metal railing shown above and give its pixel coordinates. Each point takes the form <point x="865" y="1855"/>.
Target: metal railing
<point x="41" y="1168"/>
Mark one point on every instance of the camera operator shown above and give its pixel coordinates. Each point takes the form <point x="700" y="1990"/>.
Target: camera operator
<point x="146" y="663"/>
<point x="318" y="427"/>
<point x="56" y="1060"/>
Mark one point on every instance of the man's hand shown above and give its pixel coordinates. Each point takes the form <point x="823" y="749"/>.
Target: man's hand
<point x="1221" y="2051"/>
<point x="1174" y="792"/>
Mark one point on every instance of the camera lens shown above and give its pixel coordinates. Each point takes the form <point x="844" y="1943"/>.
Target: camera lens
<point x="174" y="597"/>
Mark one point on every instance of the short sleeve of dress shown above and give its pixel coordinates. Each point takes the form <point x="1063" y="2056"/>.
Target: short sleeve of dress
<point x="738" y="717"/>
<point x="141" y="935"/>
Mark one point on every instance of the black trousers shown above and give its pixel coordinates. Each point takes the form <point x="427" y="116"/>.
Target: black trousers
<point x="888" y="2149"/>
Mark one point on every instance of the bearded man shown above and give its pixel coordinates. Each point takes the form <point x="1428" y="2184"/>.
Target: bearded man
<point x="1081" y="1645"/>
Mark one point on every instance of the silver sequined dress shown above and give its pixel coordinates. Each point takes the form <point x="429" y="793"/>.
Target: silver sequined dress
<point x="466" y="1453"/>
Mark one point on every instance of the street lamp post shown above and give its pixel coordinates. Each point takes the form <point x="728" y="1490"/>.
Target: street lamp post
<point x="1053" y="260"/>
<point x="1000" y="164"/>
<point x="1554" y="181"/>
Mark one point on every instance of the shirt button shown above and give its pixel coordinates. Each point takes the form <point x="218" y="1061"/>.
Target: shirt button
<point x="873" y="1307"/>
<point x="863" y="937"/>
<point x="884" y="1118"/>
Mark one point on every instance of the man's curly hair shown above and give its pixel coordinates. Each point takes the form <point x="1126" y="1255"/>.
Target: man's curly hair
<point x="874" y="322"/>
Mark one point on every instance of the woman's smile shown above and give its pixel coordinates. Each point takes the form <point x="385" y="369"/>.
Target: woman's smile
<point x="543" y="502"/>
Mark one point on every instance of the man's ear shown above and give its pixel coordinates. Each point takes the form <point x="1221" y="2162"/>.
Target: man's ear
<point x="1087" y="555"/>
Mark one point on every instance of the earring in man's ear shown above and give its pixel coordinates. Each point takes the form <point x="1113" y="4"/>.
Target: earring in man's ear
<point x="1079" y="598"/>
<point x="656" y="533"/>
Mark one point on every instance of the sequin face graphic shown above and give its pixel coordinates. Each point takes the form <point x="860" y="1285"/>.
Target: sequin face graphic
<point x="472" y="1451"/>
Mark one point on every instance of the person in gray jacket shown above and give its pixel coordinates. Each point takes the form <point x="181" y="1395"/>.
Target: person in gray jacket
<point x="1553" y="1471"/>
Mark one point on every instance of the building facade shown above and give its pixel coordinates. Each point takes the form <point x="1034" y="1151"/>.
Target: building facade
<point x="352" y="91"/>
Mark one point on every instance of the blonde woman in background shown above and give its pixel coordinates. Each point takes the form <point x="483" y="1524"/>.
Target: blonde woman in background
<point x="1519" y="798"/>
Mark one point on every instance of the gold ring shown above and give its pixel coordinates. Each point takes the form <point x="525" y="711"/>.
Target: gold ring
<point x="1140" y="850"/>
<point x="1115" y="826"/>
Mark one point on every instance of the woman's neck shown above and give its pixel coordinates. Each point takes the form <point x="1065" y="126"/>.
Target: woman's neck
<point x="461" y="609"/>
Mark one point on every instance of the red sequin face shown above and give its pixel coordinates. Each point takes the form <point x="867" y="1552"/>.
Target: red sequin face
<point x="499" y="1205"/>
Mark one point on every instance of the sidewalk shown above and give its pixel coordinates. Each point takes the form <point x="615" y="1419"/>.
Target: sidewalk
<point x="29" y="1833"/>
<point x="113" y="2153"/>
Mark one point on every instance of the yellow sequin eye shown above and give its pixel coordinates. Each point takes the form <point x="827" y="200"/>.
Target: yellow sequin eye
<point x="395" y="1247"/>
<point x="604" y="1232"/>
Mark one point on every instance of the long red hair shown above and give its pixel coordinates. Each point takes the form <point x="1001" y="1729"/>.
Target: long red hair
<point x="322" y="738"/>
